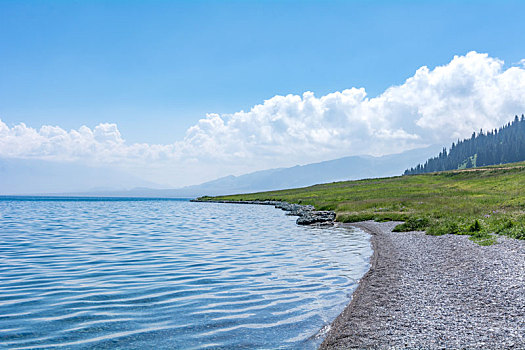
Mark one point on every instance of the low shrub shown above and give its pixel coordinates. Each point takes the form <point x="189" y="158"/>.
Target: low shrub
<point x="413" y="224"/>
<point x="475" y="227"/>
<point x="443" y="227"/>
<point x="517" y="232"/>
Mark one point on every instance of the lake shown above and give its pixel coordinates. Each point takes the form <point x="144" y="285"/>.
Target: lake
<point x="164" y="274"/>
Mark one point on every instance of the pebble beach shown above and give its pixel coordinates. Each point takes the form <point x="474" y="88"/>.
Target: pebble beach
<point x="435" y="292"/>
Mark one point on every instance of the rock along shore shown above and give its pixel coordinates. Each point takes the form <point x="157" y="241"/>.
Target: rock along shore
<point x="306" y="213"/>
<point x="428" y="292"/>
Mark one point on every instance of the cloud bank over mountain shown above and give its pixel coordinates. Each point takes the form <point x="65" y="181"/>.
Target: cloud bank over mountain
<point x="434" y="106"/>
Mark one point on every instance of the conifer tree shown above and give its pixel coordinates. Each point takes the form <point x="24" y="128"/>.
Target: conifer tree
<point x="498" y="146"/>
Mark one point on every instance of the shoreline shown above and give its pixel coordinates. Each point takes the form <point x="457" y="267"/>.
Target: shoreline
<point x="431" y="292"/>
<point x="306" y="213"/>
<point x="434" y="292"/>
<point x="362" y="286"/>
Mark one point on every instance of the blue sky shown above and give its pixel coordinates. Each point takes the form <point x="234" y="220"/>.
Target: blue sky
<point x="156" y="67"/>
<point x="181" y="92"/>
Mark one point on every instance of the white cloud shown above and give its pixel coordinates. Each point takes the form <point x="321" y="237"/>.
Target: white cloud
<point x="433" y="106"/>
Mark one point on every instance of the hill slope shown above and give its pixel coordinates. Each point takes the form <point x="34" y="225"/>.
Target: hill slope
<point x="474" y="201"/>
<point x="505" y="145"/>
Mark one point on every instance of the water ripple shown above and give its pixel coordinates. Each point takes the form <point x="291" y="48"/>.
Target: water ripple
<point x="169" y="274"/>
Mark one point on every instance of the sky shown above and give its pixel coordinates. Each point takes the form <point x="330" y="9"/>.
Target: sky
<point x="180" y="92"/>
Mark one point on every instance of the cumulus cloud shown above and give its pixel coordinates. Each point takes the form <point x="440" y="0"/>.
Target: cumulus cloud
<point x="102" y="144"/>
<point x="433" y="106"/>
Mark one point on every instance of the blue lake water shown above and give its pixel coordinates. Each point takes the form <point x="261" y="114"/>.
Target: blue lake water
<point x="168" y="274"/>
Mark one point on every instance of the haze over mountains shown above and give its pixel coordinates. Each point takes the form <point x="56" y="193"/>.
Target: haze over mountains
<point x="45" y="177"/>
<point x="35" y="176"/>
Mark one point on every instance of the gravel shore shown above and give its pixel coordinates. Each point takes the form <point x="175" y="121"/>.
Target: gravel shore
<point x="435" y="292"/>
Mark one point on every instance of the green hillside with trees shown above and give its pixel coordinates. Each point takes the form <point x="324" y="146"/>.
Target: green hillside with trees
<point x="504" y="145"/>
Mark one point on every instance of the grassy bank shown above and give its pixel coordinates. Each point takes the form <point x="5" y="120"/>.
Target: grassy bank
<point x="476" y="202"/>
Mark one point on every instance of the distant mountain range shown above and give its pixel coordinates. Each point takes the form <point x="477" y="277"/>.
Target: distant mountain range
<point x="347" y="168"/>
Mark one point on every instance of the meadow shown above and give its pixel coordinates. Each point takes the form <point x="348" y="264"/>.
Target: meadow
<point x="479" y="202"/>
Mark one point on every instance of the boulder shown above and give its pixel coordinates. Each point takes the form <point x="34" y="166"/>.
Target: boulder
<point x="314" y="217"/>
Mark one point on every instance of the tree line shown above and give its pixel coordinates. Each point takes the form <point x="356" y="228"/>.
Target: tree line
<point x="503" y="145"/>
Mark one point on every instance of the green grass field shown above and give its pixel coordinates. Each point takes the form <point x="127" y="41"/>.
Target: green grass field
<point x="477" y="202"/>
